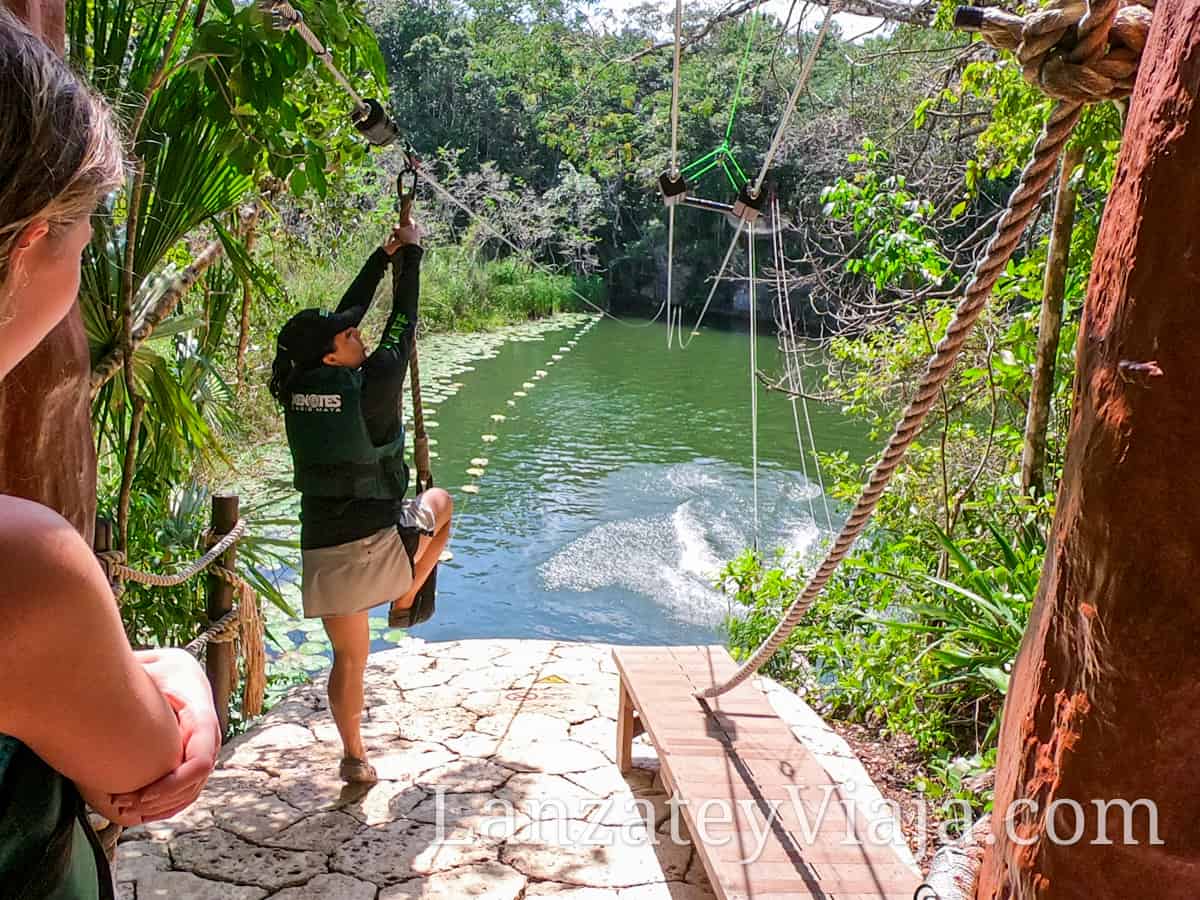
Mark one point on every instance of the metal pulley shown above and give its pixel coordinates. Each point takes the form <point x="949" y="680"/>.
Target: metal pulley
<point x="749" y="205"/>
<point x="674" y="188"/>
<point x="373" y="123"/>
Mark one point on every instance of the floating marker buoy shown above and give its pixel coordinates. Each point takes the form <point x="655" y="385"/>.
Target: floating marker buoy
<point x="470" y="488"/>
<point x="479" y="461"/>
<point x="498" y="417"/>
<point x="430" y="423"/>
<point x="476" y="472"/>
<point x="556" y="357"/>
<point x="564" y="349"/>
<point x="445" y="556"/>
<point x="520" y="393"/>
<point x="527" y="385"/>
<point x="489" y="438"/>
<point x="542" y="373"/>
<point x="511" y="402"/>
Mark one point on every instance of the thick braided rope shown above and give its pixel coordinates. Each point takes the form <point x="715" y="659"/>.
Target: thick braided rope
<point x="1066" y="58"/>
<point x="221" y="631"/>
<point x="1092" y="32"/>
<point x="114" y="563"/>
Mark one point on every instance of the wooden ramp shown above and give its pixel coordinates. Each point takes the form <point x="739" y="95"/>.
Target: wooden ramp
<point x="734" y="766"/>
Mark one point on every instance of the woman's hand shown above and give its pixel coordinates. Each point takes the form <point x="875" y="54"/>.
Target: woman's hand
<point x="403" y="235"/>
<point x="183" y="683"/>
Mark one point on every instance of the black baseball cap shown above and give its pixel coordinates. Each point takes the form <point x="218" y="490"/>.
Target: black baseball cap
<point x="308" y="335"/>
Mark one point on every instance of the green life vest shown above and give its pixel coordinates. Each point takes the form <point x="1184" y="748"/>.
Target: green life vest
<point x="47" y="849"/>
<point x="332" y="452"/>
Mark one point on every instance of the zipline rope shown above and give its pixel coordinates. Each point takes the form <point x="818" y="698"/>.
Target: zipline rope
<point x="795" y="370"/>
<point x="1090" y="47"/>
<point x="753" y="378"/>
<point x="801" y="83"/>
<point x="784" y="315"/>
<point x="675" y="91"/>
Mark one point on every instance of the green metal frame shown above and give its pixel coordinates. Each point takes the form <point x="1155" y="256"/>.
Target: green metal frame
<point x="722" y="155"/>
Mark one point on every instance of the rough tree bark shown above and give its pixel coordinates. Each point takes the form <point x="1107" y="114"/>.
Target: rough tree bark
<point x="1103" y="700"/>
<point x="46" y="451"/>
<point x="1033" y="455"/>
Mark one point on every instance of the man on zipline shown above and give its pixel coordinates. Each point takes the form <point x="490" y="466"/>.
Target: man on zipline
<point x="362" y="543"/>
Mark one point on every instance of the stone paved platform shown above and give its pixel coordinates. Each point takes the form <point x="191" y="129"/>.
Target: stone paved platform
<point x="497" y="782"/>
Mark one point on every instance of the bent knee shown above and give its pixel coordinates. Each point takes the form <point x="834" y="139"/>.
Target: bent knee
<point x="440" y="503"/>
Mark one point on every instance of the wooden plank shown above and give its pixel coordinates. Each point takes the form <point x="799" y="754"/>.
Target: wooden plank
<point x="734" y="751"/>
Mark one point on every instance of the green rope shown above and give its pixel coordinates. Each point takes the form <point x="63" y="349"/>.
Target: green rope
<point x="722" y="156"/>
<point x="737" y="93"/>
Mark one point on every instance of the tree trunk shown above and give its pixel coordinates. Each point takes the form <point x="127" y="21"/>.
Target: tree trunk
<point x="1102" y="706"/>
<point x="46" y="451"/>
<point x="1033" y="456"/>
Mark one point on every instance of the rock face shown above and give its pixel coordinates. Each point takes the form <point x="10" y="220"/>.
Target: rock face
<point x="46" y="450"/>
<point x="1103" y="702"/>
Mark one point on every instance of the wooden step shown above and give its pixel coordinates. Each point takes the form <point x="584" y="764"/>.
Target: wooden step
<point x="731" y="761"/>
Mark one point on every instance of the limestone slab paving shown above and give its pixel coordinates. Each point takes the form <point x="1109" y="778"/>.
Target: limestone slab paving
<point x="497" y="783"/>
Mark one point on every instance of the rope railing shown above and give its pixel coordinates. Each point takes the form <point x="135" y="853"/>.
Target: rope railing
<point x="230" y="622"/>
<point x="1086" y="48"/>
<point x="114" y="563"/>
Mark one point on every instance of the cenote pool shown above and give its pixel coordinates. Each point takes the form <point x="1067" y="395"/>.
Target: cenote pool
<point x="616" y="480"/>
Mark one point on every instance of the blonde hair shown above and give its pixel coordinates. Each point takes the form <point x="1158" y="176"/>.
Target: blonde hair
<point x="60" y="151"/>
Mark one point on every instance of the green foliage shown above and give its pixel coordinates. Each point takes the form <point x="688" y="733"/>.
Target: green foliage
<point x="894" y="644"/>
<point x="168" y="528"/>
<point x="901" y="248"/>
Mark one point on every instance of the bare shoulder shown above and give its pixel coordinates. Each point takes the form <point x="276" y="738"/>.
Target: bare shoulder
<point x="45" y="564"/>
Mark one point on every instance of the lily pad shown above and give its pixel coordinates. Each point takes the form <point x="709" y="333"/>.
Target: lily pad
<point x="313" y="648"/>
<point x="395" y="635"/>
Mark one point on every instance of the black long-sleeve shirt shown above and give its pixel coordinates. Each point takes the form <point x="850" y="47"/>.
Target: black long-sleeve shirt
<point x="329" y="521"/>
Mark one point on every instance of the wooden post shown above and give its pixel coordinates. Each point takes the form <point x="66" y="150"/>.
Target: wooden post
<point x="625" y="729"/>
<point x="217" y="661"/>
<point x="102" y="542"/>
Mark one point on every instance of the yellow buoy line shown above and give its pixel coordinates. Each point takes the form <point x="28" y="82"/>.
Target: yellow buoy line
<point x="478" y="466"/>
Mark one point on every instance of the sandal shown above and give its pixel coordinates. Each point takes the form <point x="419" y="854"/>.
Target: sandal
<point x="357" y="771"/>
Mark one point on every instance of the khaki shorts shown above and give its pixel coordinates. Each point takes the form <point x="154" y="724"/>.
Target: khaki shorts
<point x="353" y="577"/>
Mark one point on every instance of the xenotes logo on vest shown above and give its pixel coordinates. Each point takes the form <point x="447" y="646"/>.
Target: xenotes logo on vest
<point x="317" y="403"/>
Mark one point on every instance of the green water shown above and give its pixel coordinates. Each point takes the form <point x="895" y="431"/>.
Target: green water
<point x="617" y="485"/>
